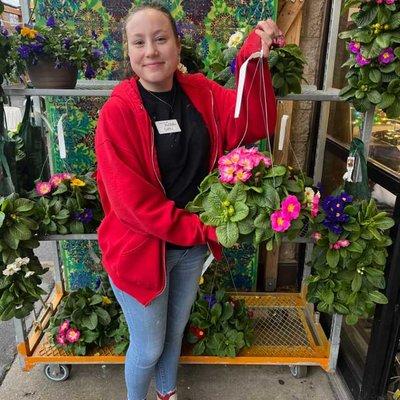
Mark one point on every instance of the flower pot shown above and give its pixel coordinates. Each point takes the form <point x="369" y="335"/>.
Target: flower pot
<point x="44" y="75"/>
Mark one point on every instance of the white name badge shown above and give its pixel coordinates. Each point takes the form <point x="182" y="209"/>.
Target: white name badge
<point x="168" y="126"/>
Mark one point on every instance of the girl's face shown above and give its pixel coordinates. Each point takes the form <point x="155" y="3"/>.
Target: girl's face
<point x="153" y="49"/>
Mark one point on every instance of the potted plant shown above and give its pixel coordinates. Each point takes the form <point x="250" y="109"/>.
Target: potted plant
<point x="55" y="52"/>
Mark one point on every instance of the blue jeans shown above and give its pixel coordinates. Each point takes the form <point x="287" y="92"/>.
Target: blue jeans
<point x="156" y="331"/>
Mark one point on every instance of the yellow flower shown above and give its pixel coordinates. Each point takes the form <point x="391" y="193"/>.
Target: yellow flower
<point x="236" y="39"/>
<point x="28" y="32"/>
<point x="106" y="300"/>
<point x="201" y="280"/>
<point x="77" y="182"/>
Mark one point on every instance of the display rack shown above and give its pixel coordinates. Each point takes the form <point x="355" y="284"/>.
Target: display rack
<point x="287" y="329"/>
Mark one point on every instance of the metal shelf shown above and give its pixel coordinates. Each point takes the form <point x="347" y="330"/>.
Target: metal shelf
<point x="104" y="88"/>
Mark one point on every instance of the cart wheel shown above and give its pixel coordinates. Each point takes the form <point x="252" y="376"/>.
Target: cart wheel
<point x="298" y="371"/>
<point x="57" y="372"/>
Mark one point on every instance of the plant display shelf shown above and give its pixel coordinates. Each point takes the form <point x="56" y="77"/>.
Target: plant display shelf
<point x="287" y="329"/>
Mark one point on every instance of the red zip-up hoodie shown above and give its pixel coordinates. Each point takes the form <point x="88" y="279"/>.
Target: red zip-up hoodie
<point x="139" y="218"/>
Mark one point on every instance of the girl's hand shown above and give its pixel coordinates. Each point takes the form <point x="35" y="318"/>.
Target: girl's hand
<point x="269" y="33"/>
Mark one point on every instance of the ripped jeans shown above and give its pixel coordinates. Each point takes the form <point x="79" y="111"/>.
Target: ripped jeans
<point x="156" y="331"/>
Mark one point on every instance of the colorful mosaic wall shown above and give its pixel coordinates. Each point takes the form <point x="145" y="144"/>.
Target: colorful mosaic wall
<point x="209" y="22"/>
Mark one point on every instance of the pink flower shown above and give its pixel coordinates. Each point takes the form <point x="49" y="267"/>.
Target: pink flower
<point x="291" y="207"/>
<point x="241" y="176"/>
<point x="247" y="163"/>
<point x="61" y="340"/>
<point x="64" y="327"/>
<point x="225" y="161"/>
<point x="226" y="174"/>
<point x="56" y="179"/>
<point x="66" y="175"/>
<point x="267" y="161"/>
<point x="344" y="243"/>
<point x="378" y="1"/>
<point x="279" y="221"/>
<point x="72" y="335"/>
<point x="362" y="61"/>
<point x="315" y="205"/>
<point x="354" y="47"/>
<point x="316" y="236"/>
<point x="390" y="1"/>
<point x="43" y="188"/>
<point x="386" y="56"/>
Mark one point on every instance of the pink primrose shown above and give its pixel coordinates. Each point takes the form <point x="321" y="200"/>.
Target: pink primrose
<point x="66" y="175"/>
<point x="241" y="176"/>
<point x="315" y="205"/>
<point x="388" y="2"/>
<point x="344" y="243"/>
<point x="354" y="47"/>
<point x="43" y="188"/>
<point x="316" y="236"/>
<point x="72" y="335"/>
<point x="64" y="327"/>
<point x="247" y="163"/>
<point x="279" y="221"/>
<point x="224" y="161"/>
<point x="61" y="340"/>
<point x="362" y="61"/>
<point x="226" y="174"/>
<point x="291" y="207"/>
<point x="56" y="179"/>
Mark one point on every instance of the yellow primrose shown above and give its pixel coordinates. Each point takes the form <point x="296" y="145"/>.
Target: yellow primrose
<point x="77" y="182"/>
<point x="201" y="280"/>
<point x="106" y="300"/>
<point x="28" y="32"/>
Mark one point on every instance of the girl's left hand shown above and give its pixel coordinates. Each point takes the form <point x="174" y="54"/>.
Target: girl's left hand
<point x="268" y="32"/>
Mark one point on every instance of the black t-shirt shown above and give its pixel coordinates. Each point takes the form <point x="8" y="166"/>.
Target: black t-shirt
<point x="183" y="157"/>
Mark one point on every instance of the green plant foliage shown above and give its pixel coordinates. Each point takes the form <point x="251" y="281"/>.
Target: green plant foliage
<point x="373" y="77"/>
<point x="219" y="325"/>
<point x="347" y="279"/>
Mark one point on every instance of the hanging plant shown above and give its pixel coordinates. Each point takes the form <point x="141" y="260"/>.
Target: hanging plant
<point x="349" y="257"/>
<point x="250" y="199"/>
<point x="373" y="78"/>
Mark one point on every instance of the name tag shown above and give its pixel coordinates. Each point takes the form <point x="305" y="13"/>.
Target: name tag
<point x="168" y="126"/>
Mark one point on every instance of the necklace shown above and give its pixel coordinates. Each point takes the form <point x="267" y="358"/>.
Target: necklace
<point x="171" y="106"/>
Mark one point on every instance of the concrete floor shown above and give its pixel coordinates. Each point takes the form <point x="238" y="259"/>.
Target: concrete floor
<point x="196" y="382"/>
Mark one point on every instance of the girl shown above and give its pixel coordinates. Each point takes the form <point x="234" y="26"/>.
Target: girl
<point x="158" y="136"/>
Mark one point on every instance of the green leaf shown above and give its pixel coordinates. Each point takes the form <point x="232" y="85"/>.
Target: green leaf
<point x="278" y="170"/>
<point x="96" y="299"/>
<point x="355" y="248"/>
<point x="340" y="308"/>
<point x="386" y="100"/>
<point x="393" y="111"/>
<point x="246" y="226"/>
<point x="199" y="348"/>
<point x="103" y="316"/>
<point x="10" y="239"/>
<point x="364" y="18"/>
<point x="2" y="217"/>
<point x="351" y="319"/>
<point x="383" y="40"/>
<point x="23" y="205"/>
<point x="277" y="81"/>
<point x="332" y="258"/>
<point x="76" y="227"/>
<point x="384" y="223"/>
<point x="241" y="212"/>
<point x="377" y="297"/>
<point x="216" y="312"/>
<point x="90" y="321"/>
<point x="272" y="198"/>
<point x="375" y="75"/>
<point x="228" y="234"/>
<point x="210" y="219"/>
<point x="357" y="282"/>
<point x="374" y="97"/>
<point x="238" y="194"/>
<point x="21" y="231"/>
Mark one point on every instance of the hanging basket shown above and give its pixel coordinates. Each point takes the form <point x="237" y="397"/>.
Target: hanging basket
<point x="44" y="75"/>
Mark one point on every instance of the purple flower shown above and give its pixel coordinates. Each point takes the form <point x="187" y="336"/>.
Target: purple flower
<point x="24" y="51"/>
<point x="210" y="299"/>
<point x="85" y="216"/>
<point x="361" y="60"/>
<point x="106" y="45"/>
<point x="4" y="32"/>
<point x="37" y="48"/>
<point x="18" y="28"/>
<point x="335" y="228"/>
<point x="51" y="22"/>
<point x="232" y="66"/>
<point x="89" y="72"/>
<point x="39" y="38"/>
<point x="94" y="35"/>
<point x="97" y="53"/>
<point x="66" y="43"/>
<point x="354" y="47"/>
<point x="387" y="56"/>
<point x="346" y="198"/>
